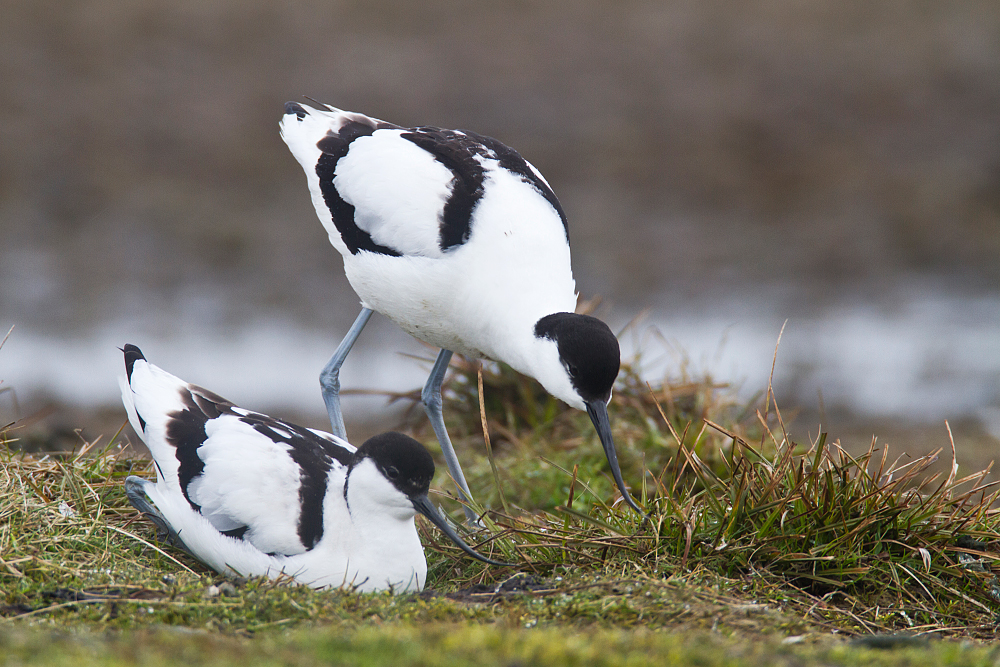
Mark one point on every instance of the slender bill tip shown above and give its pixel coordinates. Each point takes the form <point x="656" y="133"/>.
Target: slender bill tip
<point x="423" y="505"/>
<point x="598" y="411"/>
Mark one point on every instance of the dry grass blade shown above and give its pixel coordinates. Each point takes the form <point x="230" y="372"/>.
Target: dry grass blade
<point x="489" y="446"/>
<point x="9" y="332"/>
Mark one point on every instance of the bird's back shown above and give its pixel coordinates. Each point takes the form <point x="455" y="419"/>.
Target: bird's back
<point x="251" y="476"/>
<point x="451" y="234"/>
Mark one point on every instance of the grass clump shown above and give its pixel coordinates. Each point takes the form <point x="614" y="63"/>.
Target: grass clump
<point x="862" y="543"/>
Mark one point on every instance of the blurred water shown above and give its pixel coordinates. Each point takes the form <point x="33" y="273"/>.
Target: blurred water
<point x="929" y="357"/>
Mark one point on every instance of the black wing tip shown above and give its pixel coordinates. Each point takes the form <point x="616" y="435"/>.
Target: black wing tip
<point x="132" y="354"/>
<point x="295" y="108"/>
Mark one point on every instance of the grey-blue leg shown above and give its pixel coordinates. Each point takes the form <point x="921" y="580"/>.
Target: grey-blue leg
<point x="329" y="378"/>
<point x="431" y="397"/>
<point x="135" y="489"/>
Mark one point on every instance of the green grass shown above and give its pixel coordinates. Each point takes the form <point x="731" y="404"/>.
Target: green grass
<point x="449" y="645"/>
<point x="752" y="538"/>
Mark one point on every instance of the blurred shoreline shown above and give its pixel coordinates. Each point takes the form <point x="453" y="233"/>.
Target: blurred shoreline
<point x="922" y="360"/>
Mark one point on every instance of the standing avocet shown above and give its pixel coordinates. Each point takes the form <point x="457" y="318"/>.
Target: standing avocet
<point x="249" y="494"/>
<point x="462" y="243"/>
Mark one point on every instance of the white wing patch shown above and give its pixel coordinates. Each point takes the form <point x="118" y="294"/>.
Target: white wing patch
<point x="249" y="480"/>
<point x="398" y="191"/>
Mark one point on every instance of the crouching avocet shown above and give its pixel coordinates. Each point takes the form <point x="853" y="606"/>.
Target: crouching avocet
<point x="462" y="243"/>
<point x="248" y="494"/>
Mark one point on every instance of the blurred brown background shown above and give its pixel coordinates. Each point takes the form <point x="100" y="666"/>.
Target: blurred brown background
<point x="728" y="164"/>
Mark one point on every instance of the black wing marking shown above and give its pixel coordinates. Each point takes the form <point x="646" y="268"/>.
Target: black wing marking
<point x="334" y="146"/>
<point x="186" y="432"/>
<point x="457" y="152"/>
<point x="313" y="454"/>
<point x="238" y="533"/>
<point x="511" y="160"/>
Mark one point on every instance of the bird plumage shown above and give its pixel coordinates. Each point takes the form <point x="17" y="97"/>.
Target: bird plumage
<point x="413" y="207"/>
<point x="460" y="241"/>
<point x="249" y="494"/>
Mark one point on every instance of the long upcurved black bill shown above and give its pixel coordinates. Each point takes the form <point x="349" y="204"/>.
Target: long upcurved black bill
<point x="598" y="411"/>
<point x="423" y="505"/>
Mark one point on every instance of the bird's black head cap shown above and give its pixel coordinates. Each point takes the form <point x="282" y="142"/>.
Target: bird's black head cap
<point x="404" y="461"/>
<point x="588" y="349"/>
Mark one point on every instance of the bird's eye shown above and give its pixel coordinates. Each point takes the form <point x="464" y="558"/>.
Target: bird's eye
<point x="392" y="472"/>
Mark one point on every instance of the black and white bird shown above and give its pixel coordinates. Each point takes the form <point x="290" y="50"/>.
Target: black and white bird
<point x="460" y="241"/>
<point x="252" y="495"/>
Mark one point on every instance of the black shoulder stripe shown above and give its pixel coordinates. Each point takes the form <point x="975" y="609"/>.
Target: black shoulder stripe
<point x="314" y="456"/>
<point x="511" y="160"/>
<point x="186" y="432"/>
<point x="335" y="146"/>
<point x="457" y="152"/>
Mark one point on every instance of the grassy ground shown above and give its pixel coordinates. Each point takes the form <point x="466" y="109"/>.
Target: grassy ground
<point x="756" y="549"/>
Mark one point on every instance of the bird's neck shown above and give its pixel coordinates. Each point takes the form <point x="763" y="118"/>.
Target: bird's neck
<point x="538" y="357"/>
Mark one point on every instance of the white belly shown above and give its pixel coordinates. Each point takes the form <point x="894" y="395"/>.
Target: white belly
<point x="465" y="302"/>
